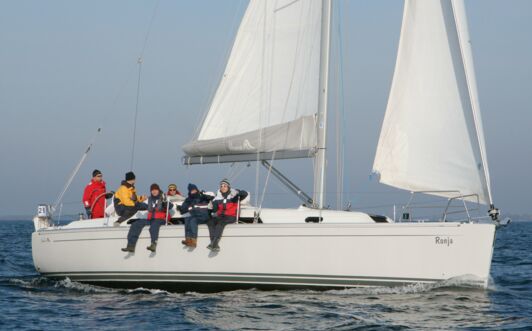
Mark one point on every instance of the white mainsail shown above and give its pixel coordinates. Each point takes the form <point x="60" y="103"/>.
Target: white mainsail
<point x="267" y="99"/>
<point x="432" y="137"/>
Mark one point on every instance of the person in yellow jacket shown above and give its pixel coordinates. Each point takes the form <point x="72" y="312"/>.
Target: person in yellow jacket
<point x="126" y="201"/>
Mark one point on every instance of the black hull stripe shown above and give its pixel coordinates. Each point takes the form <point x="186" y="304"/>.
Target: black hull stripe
<point x="198" y="280"/>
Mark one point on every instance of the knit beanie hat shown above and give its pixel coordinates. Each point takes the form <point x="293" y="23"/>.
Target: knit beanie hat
<point x="130" y="175"/>
<point x="225" y="181"/>
<point x="154" y="186"/>
<point x="96" y="172"/>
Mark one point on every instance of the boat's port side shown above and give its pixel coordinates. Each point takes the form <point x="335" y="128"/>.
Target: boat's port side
<point x="285" y="255"/>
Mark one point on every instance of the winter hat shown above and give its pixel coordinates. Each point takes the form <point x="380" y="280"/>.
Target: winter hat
<point x="96" y="172"/>
<point x="192" y="187"/>
<point x="130" y="175"/>
<point x="172" y="187"/>
<point x="225" y="181"/>
<point x="154" y="186"/>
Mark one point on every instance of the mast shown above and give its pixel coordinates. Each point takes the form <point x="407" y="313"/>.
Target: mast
<point x="320" y="164"/>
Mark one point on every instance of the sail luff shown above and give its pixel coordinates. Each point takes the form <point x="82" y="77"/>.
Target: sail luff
<point x="460" y="17"/>
<point x="320" y="160"/>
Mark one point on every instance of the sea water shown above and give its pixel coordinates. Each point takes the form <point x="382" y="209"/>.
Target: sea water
<point x="31" y="302"/>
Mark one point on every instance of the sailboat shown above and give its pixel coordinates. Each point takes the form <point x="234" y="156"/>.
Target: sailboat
<point x="271" y="104"/>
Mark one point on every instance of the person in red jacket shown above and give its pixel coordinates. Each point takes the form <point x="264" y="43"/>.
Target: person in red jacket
<point x="94" y="196"/>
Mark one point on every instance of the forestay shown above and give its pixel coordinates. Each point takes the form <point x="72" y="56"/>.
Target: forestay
<point x="267" y="99"/>
<point x="431" y="137"/>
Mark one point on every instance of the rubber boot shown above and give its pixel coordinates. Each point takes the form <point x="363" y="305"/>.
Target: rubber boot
<point x="193" y="242"/>
<point x="152" y="247"/>
<point x="130" y="249"/>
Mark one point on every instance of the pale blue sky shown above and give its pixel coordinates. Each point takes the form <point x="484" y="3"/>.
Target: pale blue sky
<point x="67" y="67"/>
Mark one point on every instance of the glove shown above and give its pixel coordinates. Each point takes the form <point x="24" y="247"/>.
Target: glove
<point x="88" y="211"/>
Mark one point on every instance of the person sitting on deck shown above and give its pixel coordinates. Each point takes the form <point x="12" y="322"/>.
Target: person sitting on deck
<point x="126" y="201"/>
<point x="158" y="214"/>
<point x="94" y="196"/>
<point x="225" y="208"/>
<point x="195" y="209"/>
<point x="173" y="193"/>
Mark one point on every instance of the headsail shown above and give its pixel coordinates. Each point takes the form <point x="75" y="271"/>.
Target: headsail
<point x="267" y="100"/>
<point x="431" y="137"/>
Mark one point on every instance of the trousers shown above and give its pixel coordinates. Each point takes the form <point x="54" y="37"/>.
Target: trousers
<point x="191" y="226"/>
<point x="136" y="228"/>
<point x="216" y="226"/>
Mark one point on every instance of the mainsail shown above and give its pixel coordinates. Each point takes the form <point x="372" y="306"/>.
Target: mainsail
<point x="267" y="100"/>
<point x="432" y="137"/>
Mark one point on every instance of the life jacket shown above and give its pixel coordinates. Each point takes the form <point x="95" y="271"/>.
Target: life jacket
<point x="226" y="206"/>
<point x="156" y="208"/>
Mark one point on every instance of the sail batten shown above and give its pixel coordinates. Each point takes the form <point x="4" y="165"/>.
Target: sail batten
<point x="267" y="99"/>
<point x="431" y="137"/>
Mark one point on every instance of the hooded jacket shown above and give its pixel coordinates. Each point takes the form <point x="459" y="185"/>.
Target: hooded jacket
<point x="196" y="204"/>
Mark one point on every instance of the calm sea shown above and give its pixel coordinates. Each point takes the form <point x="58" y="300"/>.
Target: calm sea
<point x="31" y="302"/>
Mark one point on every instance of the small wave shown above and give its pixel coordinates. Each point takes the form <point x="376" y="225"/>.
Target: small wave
<point x="461" y="282"/>
<point x="81" y="287"/>
<point x="142" y="290"/>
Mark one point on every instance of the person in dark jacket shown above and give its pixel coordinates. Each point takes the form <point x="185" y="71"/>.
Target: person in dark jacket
<point x="225" y="209"/>
<point x="158" y="214"/>
<point x="195" y="208"/>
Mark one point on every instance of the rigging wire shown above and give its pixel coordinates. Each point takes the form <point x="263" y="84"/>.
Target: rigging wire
<point x="75" y="171"/>
<point x="140" y="60"/>
<point x="340" y="114"/>
<point x="92" y="141"/>
<point x="262" y="106"/>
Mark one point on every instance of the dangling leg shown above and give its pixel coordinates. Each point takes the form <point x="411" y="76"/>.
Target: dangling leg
<point x="133" y="235"/>
<point x="155" y="226"/>
<point x="219" y="232"/>
<point x="211" y="224"/>
<point x="187" y="231"/>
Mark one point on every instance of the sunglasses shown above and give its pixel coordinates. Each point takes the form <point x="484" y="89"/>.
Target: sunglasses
<point x="172" y="190"/>
<point x="224" y="185"/>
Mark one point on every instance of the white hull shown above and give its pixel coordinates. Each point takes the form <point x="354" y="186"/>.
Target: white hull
<point x="271" y="255"/>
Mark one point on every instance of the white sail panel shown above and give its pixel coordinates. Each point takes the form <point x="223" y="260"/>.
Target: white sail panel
<point x="431" y="131"/>
<point x="270" y="81"/>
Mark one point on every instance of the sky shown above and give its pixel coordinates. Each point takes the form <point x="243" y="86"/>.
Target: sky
<point x="70" y="67"/>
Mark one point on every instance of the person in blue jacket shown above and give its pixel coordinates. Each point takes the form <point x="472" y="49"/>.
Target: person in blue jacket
<point x="195" y="208"/>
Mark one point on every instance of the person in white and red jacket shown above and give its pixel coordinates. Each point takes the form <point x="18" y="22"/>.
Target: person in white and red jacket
<point x="225" y="210"/>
